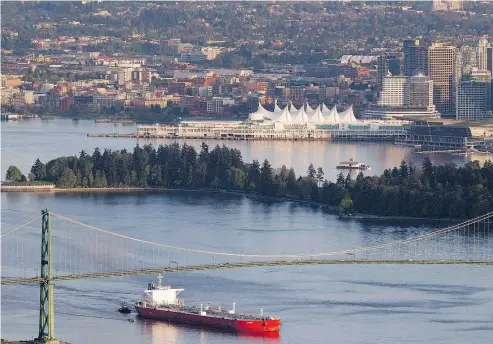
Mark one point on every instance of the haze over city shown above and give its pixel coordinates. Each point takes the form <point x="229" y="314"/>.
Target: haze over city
<point x="233" y="172"/>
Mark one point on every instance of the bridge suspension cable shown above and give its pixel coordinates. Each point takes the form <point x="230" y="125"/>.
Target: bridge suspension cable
<point x="300" y="255"/>
<point x="21" y="225"/>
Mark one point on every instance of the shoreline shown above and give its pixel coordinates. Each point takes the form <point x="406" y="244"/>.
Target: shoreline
<point x="356" y="216"/>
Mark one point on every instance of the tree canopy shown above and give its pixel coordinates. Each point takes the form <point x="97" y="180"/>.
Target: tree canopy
<point x="13" y="174"/>
<point x="432" y="191"/>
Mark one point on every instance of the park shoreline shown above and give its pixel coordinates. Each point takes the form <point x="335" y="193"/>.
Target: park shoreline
<point x="357" y="216"/>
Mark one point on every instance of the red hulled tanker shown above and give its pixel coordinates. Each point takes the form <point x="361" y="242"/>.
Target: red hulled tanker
<point x="161" y="303"/>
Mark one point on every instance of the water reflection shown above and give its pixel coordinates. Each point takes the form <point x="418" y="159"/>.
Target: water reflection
<point x="160" y="332"/>
<point x="45" y="138"/>
<point x="167" y="333"/>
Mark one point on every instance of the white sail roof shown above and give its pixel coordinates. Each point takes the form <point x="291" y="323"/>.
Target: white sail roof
<point x="317" y="117"/>
<point x="256" y="116"/>
<point x="321" y="114"/>
<point x="347" y="116"/>
<point x="333" y="116"/>
<point x="277" y="109"/>
<point x="260" y="114"/>
<point x="310" y="111"/>
<point x="301" y="116"/>
<point x="261" y="108"/>
<point x="325" y="110"/>
<point x="293" y="110"/>
<point x="285" y="116"/>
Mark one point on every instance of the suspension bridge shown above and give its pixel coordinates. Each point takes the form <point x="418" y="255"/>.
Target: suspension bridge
<point x="52" y="247"/>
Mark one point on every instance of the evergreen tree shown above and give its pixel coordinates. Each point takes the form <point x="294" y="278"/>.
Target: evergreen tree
<point x="320" y="176"/>
<point x="39" y="170"/>
<point x="292" y="185"/>
<point x="311" y="172"/>
<point x="266" y="182"/>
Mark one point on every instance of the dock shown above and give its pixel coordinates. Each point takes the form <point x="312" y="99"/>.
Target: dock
<point x="113" y="120"/>
<point x="111" y="135"/>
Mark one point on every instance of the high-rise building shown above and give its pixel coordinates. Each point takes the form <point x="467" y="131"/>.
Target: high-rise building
<point x="443" y="70"/>
<point x="421" y="90"/>
<point x="416" y="91"/>
<point x="468" y="59"/>
<point x="415" y="56"/>
<point x="474" y="96"/>
<point x="482" y="54"/>
<point x="447" y="5"/>
<point x="395" y="91"/>
<point x="388" y="63"/>
<point x="404" y="96"/>
<point x="489" y="60"/>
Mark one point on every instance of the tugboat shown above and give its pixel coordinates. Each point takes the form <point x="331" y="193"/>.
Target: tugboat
<point x="124" y="308"/>
<point x="352" y="165"/>
<point x="161" y="303"/>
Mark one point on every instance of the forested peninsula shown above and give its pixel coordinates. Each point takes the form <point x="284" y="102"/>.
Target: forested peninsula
<point x="441" y="191"/>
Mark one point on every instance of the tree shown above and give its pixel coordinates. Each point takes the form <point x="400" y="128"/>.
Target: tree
<point x="346" y="205"/>
<point x="253" y="176"/>
<point x="13" y="174"/>
<point x="320" y="176"/>
<point x="311" y="172"/>
<point x="39" y="170"/>
<point x="266" y="182"/>
<point x="404" y="170"/>
<point x="340" y="179"/>
<point x="291" y="184"/>
<point x="427" y="168"/>
<point x="67" y="179"/>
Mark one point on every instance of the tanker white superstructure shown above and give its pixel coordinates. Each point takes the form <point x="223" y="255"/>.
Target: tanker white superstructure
<point x="289" y="123"/>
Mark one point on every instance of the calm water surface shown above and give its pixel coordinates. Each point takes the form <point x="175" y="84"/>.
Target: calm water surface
<point x="317" y="304"/>
<point x="24" y="141"/>
<point x="384" y="304"/>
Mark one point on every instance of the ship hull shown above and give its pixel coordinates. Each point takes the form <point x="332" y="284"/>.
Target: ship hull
<point x="234" y="325"/>
<point x="352" y="168"/>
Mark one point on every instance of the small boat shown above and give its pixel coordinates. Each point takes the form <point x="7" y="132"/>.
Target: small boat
<point x="130" y="320"/>
<point x="352" y="165"/>
<point x="124" y="308"/>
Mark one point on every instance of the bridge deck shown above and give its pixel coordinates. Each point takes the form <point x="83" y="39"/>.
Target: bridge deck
<point x="38" y="280"/>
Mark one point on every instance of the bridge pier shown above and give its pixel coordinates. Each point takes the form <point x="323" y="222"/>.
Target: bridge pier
<point x="46" y="332"/>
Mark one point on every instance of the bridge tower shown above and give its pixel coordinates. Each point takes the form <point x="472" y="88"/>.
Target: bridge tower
<point x="46" y="307"/>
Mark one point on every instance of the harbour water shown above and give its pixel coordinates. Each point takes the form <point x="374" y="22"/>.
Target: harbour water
<point x="384" y="304"/>
<point x="48" y="139"/>
<point x="347" y="304"/>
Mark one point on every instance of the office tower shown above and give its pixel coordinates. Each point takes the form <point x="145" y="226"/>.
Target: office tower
<point x="443" y="70"/>
<point x="395" y="91"/>
<point x="415" y="56"/>
<point x="474" y="94"/>
<point x="404" y="96"/>
<point x="447" y="5"/>
<point x="489" y="60"/>
<point x="415" y="91"/>
<point x="421" y="90"/>
<point x="482" y="53"/>
<point x="469" y="59"/>
<point x="388" y="63"/>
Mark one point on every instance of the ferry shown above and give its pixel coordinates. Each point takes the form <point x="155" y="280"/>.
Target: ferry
<point x="353" y="165"/>
<point x="160" y="302"/>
